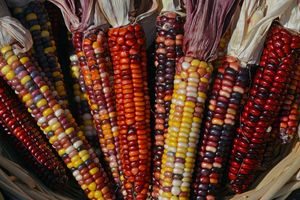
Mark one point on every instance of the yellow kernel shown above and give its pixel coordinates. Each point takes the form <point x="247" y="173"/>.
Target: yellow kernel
<point x="26" y="97"/>
<point x="45" y="34"/>
<point x="83" y="153"/>
<point x="94" y="106"/>
<point x="197" y="119"/>
<point x="77" y="163"/>
<point x="25" y="79"/>
<point x="49" y="50"/>
<point x="44" y="88"/>
<point x="98" y="194"/>
<point x="94" y="170"/>
<point x="69" y="165"/>
<point x="61" y="152"/>
<point x="187" y="120"/>
<point x="55" y="126"/>
<point x="91" y="195"/>
<point x="35" y="27"/>
<point x="41" y="103"/>
<point x="5" y="69"/>
<point x="69" y="130"/>
<point x="12" y="59"/>
<point x="86" y="157"/>
<point x="167" y="194"/>
<point x="92" y="186"/>
<point x="53" y="139"/>
<point x="31" y="16"/>
<point x="204" y="80"/>
<point x="47" y="112"/>
<point x="75" y="158"/>
<point x="202" y="94"/>
<point x="184" y="189"/>
<point x="190" y="104"/>
<point x="6" y="49"/>
<point x="203" y="64"/>
<point x="10" y="75"/>
<point x="47" y="129"/>
<point x="195" y="62"/>
<point x="84" y="186"/>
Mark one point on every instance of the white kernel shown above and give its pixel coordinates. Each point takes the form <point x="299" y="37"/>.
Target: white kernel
<point x="185" y="65"/>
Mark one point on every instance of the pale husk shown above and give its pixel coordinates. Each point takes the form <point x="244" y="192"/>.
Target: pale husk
<point x="12" y="31"/>
<point x="247" y="40"/>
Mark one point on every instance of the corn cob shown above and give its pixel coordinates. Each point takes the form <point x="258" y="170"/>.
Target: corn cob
<point x="19" y="124"/>
<point x="267" y="95"/>
<point x="62" y="132"/>
<point x="289" y="115"/>
<point x="228" y="91"/>
<point x="84" y="117"/>
<point x="272" y="150"/>
<point x="35" y="18"/>
<point x="189" y="95"/>
<point x="95" y="66"/>
<point x="128" y="53"/>
<point x="168" y="51"/>
<point x="55" y="18"/>
<point x="192" y="78"/>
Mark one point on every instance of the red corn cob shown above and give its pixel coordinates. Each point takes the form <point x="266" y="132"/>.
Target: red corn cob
<point x="127" y="47"/>
<point x="289" y="115"/>
<point x="225" y="102"/>
<point x="168" y="51"/>
<point x="262" y="108"/>
<point x="20" y="125"/>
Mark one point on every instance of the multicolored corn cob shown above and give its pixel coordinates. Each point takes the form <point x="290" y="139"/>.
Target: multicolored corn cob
<point x="28" y="140"/>
<point x="95" y="66"/>
<point x="84" y="118"/>
<point x="169" y="42"/>
<point x="188" y="100"/>
<point x="267" y="95"/>
<point x="128" y="53"/>
<point x="35" y="18"/>
<point x="225" y="102"/>
<point x="62" y="132"/>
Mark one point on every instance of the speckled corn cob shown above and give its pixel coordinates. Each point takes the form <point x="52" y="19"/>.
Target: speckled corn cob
<point x="225" y="102"/>
<point x="188" y="100"/>
<point x="95" y="67"/>
<point x="62" y="132"/>
<point x="84" y="117"/>
<point x="168" y="51"/>
<point x="35" y="18"/>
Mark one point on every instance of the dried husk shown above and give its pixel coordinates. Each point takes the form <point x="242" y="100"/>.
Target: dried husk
<point x="256" y="17"/>
<point x="205" y="24"/>
<point x="12" y="31"/>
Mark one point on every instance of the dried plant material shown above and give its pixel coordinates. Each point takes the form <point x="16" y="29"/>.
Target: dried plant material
<point x="204" y="27"/>
<point x="290" y="19"/>
<point x="116" y="11"/>
<point x="255" y="19"/>
<point x="12" y="31"/>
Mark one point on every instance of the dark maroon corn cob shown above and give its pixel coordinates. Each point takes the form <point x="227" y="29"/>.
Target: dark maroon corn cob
<point x="289" y="114"/>
<point x="168" y="51"/>
<point x="225" y="102"/>
<point x="28" y="140"/>
<point x="267" y="95"/>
